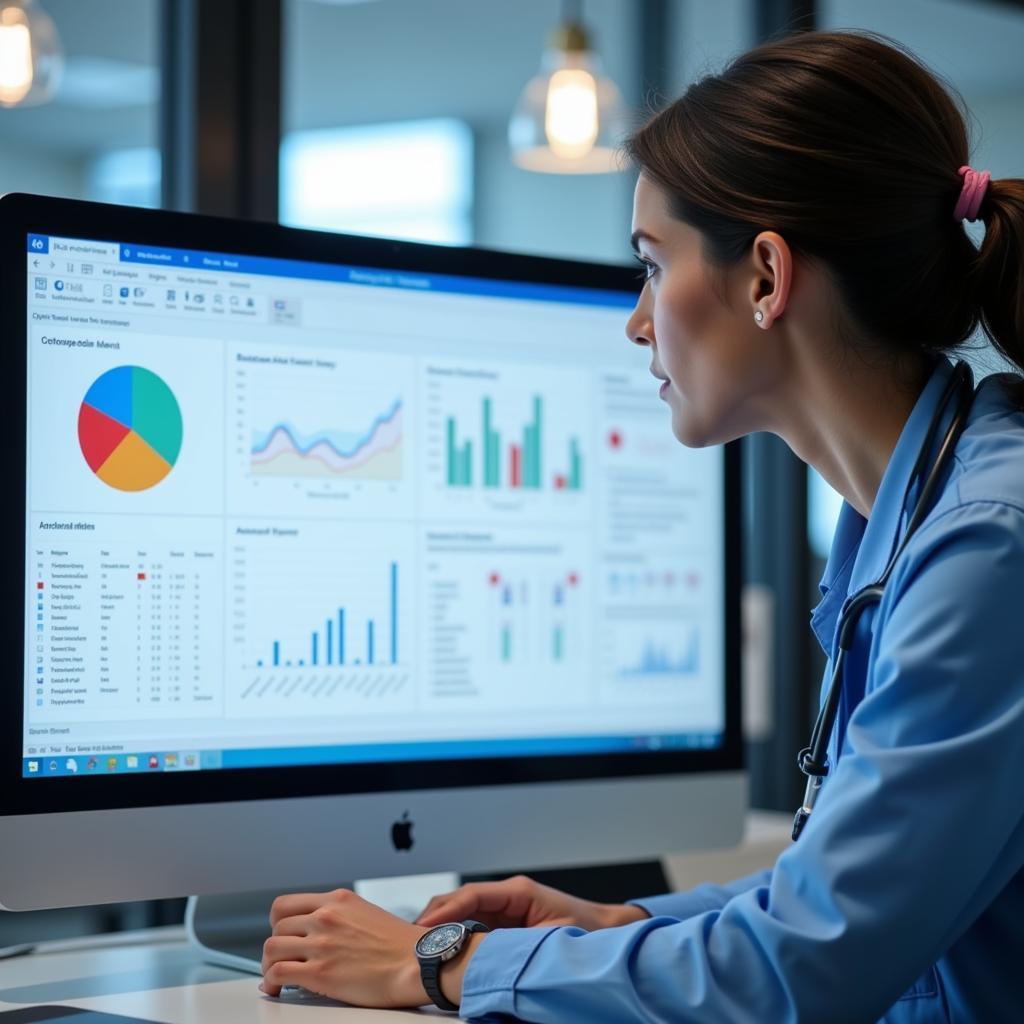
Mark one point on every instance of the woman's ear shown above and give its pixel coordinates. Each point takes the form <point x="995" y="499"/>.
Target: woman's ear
<point x="772" y="277"/>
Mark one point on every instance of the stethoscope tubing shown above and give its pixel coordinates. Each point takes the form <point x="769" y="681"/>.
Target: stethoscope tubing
<point x="813" y="759"/>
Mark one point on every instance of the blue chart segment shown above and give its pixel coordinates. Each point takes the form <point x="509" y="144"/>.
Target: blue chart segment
<point x="373" y="454"/>
<point x="332" y="644"/>
<point x="660" y="658"/>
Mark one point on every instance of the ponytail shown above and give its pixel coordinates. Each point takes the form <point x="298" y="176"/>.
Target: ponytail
<point x="999" y="269"/>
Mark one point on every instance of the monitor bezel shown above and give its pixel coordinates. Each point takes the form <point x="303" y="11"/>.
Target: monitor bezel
<point x="22" y="214"/>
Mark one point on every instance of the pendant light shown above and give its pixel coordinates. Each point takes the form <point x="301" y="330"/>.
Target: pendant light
<point x="31" y="59"/>
<point x="569" y="116"/>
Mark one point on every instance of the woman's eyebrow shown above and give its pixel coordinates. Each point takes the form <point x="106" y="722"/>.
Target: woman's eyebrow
<point x="639" y="234"/>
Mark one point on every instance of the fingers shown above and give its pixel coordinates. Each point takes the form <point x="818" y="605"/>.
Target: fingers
<point x="435" y="903"/>
<point x="282" y="948"/>
<point x="454" y="905"/>
<point x="295" y="904"/>
<point x="293" y="925"/>
<point x="477" y="899"/>
<point x="284" y="972"/>
<point x="298" y="903"/>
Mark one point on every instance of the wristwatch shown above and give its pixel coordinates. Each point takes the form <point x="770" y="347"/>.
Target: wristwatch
<point x="434" y="947"/>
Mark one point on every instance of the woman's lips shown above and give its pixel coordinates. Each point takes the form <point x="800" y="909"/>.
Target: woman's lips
<point x="663" y="388"/>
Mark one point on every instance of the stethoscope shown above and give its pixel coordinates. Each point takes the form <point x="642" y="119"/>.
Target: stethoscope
<point x="813" y="759"/>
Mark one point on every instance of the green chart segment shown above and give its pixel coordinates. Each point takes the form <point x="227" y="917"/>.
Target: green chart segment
<point x="521" y="467"/>
<point x="130" y="428"/>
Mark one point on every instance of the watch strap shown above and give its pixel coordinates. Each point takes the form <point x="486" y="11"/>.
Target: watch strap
<point x="430" y="976"/>
<point x="430" y="970"/>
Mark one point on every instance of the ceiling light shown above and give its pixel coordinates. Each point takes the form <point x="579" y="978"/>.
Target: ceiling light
<point x="30" y="54"/>
<point x="569" y="116"/>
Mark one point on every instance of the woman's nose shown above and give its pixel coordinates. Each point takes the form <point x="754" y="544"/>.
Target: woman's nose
<point x="639" y="328"/>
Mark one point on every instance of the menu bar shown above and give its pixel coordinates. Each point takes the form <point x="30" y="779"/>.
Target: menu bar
<point x="40" y="246"/>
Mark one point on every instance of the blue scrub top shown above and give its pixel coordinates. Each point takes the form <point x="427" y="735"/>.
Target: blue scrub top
<point x="904" y="898"/>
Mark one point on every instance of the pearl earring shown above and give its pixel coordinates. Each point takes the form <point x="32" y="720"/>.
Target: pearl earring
<point x="759" y="316"/>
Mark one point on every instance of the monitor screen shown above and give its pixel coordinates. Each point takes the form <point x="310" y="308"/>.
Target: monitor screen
<point x="287" y="512"/>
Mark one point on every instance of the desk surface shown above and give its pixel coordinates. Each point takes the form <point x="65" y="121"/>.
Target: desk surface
<point x="155" y="975"/>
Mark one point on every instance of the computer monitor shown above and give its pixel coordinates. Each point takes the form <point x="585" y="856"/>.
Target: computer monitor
<point x="332" y="557"/>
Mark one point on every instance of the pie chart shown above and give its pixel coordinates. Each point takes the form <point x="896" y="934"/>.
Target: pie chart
<point x="129" y="428"/>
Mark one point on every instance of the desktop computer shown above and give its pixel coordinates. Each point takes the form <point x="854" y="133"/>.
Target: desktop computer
<point x="332" y="557"/>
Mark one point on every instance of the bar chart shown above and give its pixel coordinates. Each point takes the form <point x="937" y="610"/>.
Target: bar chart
<point x="533" y="617"/>
<point x="501" y="439"/>
<point x="321" y="620"/>
<point x="328" y="646"/>
<point x="519" y="464"/>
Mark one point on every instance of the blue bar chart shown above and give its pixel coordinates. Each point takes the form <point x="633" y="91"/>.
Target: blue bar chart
<point x="320" y="621"/>
<point x="335" y="654"/>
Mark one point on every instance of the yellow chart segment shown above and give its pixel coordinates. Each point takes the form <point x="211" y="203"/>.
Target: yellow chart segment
<point x="133" y="465"/>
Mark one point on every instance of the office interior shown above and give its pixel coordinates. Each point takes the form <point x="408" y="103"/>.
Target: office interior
<point x="256" y="109"/>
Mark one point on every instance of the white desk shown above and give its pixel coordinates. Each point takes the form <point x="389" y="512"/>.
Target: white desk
<point x="156" y="976"/>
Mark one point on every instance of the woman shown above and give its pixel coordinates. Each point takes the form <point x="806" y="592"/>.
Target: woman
<point x="800" y="219"/>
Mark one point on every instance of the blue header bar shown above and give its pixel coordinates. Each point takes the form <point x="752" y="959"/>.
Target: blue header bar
<point x="375" y="277"/>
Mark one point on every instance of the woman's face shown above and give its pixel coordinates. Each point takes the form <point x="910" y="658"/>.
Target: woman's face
<point x="715" y="360"/>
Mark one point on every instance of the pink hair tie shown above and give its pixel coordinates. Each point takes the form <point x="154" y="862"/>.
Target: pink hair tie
<point x="972" y="193"/>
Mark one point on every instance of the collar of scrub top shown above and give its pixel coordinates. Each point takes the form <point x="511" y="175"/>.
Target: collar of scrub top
<point x="897" y="492"/>
<point x="879" y="535"/>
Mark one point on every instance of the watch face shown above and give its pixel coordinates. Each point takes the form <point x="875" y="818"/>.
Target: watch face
<point x="439" y="939"/>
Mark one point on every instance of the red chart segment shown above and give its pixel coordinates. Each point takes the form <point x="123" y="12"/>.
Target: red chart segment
<point x="98" y="435"/>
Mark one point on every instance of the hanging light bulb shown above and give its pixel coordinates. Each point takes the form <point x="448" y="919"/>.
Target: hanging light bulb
<point x="31" y="60"/>
<point x="569" y="115"/>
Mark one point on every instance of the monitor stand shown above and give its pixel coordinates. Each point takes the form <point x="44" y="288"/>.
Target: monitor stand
<point x="229" y="930"/>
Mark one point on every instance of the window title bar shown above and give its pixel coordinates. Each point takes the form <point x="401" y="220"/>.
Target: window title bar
<point x="374" y="277"/>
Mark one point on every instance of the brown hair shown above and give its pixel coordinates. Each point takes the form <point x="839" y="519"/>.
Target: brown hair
<point x="849" y="147"/>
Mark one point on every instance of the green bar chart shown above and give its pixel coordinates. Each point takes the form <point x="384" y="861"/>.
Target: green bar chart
<point x="518" y="464"/>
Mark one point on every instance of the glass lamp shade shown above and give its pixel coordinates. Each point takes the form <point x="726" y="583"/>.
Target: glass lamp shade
<point x="31" y="59"/>
<point x="569" y="118"/>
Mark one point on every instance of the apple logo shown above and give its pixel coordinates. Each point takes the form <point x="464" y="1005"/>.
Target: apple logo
<point x="401" y="833"/>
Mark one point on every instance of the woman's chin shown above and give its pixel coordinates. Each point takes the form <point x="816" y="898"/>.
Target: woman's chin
<point x="692" y="432"/>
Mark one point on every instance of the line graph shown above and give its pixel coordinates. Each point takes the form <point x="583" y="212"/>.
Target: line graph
<point x="374" y="454"/>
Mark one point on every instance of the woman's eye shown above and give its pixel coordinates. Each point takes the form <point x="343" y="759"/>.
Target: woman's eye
<point x="649" y="269"/>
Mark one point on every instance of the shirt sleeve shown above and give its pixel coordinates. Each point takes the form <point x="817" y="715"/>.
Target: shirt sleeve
<point x="916" y="832"/>
<point x="682" y="905"/>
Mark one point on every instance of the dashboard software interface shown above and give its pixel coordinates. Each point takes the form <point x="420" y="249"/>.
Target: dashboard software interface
<point x="288" y="513"/>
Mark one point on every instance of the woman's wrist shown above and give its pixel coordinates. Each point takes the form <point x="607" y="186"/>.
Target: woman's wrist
<point x="617" y="914"/>
<point x="454" y="970"/>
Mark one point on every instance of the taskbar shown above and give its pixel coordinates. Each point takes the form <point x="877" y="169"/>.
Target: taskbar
<point x="103" y="763"/>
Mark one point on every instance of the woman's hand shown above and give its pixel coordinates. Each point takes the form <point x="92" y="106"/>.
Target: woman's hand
<point x="338" y="945"/>
<point x="521" y="902"/>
